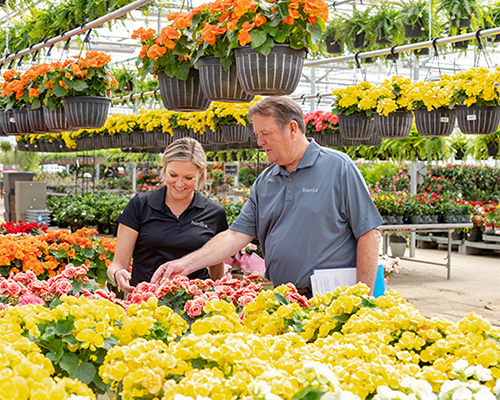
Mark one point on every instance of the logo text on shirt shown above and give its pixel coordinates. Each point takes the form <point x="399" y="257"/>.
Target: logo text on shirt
<point x="310" y="190"/>
<point x="201" y="224"/>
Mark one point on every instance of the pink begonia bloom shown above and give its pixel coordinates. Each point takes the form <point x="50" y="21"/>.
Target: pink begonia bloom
<point x="30" y="299"/>
<point x="14" y="288"/>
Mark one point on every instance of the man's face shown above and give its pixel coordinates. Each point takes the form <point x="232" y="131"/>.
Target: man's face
<point x="275" y="142"/>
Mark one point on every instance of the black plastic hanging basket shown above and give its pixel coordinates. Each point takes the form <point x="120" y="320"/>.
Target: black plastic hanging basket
<point x="355" y="127"/>
<point x="86" y="112"/>
<point x="375" y="139"/>
<point x="22" y="122"/>
<point x="275" y="74"/>
<point x="215" y="137"/>
<point x="55" y="120"/>
<point x="235" y="133"/>
<point x="179" y="95"/>
<point x="8" y="122"/>
<point x="435" y="123"/>
<point x="220" y="85"/>
<point x="478" y="120"/>
<point x="37" y="120"/>
<point x="396" y="125"/>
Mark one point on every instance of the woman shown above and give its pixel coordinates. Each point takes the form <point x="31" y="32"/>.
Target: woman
<point x="168" y="223"/>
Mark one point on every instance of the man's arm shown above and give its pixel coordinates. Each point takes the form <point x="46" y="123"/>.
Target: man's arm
<point x="367" y="258"/>
<point x="215" y="251"/>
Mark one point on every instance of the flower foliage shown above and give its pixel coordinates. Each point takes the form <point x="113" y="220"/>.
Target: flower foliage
<point x="83" y="76"/>
<point x="217" y="28"/>
<point x="47" y="254"/>
<point x="322" y="122"/>
<point x="22" y="228"/>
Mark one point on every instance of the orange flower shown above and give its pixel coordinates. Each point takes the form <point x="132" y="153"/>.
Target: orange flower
<point x="210" y="32"/>
<point x="71" y="253"/>
<point x="144" y="34"/>
<point x="231" y="24"/>
<point x="244" y="35"/>
<point x="241" y="7"/>
<point x="259" y="20"/>
<point x="155" y="51"/>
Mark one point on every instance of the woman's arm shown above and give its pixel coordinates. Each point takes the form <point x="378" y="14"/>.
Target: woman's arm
<point x="118" y="270"/>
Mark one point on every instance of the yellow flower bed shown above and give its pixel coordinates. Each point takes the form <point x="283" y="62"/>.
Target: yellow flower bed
<point x="345" y="345"/>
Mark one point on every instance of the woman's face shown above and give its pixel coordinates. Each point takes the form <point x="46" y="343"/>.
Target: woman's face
<point x="181" y="178"/>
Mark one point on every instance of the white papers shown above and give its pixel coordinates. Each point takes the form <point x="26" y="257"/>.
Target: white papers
<point x="325" y="280"/>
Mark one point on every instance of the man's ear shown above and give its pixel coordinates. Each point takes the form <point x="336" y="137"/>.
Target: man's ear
<point x="294" y="128"/>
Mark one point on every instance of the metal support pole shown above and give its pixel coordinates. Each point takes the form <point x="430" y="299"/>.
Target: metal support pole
<point x="413" y="190"/>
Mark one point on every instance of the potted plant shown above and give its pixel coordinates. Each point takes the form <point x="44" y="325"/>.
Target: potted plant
<point x="430" y="102"/>
<point x="170" y="56"/>
<point x="414" y="15"/>
<point x="461" y="12"/>
<point x="8" y="100"/>
<point x="393" y="119"/>
<point x="333" y="34"/>
<point x="285" y="29"/>
<point x="477" y="98"/>
<point x="398" y="241"/>
<point x="384" y="25"/>
<point x="355" y="29"/>
<point x="354" y="106"/>
<point x="323" y="127"/>
<point x="214" y="55"/>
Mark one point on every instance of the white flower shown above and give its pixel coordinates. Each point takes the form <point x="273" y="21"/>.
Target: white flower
<point x="386" y="393"/>
<point x="322" y="373"/>
<point x="339" y="395"/>
<point x="462" y="394"/>
<point x="484" y="394"/>
<point x="496" y="389"/>
<point x="78" y="397"/>
<point x="482" y="374"/>
<point x="448" y="388"/>
<point x="460" y="365"/>
<point x="272" y="396"/>
<point x="179" y="396"/>
<point x="261" y="388"/>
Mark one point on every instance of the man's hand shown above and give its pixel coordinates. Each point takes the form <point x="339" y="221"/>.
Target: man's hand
<point x="169" y="270"/>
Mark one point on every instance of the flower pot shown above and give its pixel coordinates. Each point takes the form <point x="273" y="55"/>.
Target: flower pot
<point x="382" y="37"/>
<point x="22" y="122"/>
<point x="333" y="140"/>
<point x="235" y="133"/>
<point x="55" y="120"/>
<point x="220" y="85"/>
<point x="179" y="95"/>
<point x="414" y="219"/>
<point x="332" y="46"/>
<point x="492" y="149"/>
<point x="475" y="234"/>
<point x="359" y="40"/>
<point x="37" y="120"/>
<point x="214" y="137"/>
<point x="8" y="122"/>
<point x="375" y="139"/>
<point x="200" y="137"/>
<point x="422" y="52"/>
<point x="396" y="125"/>
<point x="414" y="31"/>
<point x="398" y="248"/>
<point x="459" y="22"/>
<point x="478" y="120"/>
<point x="86" y="112"/>
<point x="275" y="74"/>
<point x="355" y="126"/>
<point x="460" y="45"/>
<point x="180" y="133"/>
<point x="435" y="123"/>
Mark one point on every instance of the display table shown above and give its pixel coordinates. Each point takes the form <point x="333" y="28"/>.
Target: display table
<point x="413" y="228"/>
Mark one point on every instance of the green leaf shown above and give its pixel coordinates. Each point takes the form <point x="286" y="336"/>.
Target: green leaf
<point x="266" y="47"/>
<point x="59" y="91"/>
<point x="69" y="363"/>
<point x="85" y="372"/>
<point x="282" y="299"/>
<point x="56" y="348"/>
<point x="66" y="326"/>
<point x="258" y="38"/>
<point x="79" y="85"/>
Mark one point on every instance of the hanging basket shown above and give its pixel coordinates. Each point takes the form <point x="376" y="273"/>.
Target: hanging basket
<point x="37" y="120"/>
<point x="357" y="127"/>
<point x="86" y="112"/>
<point x="333" y="140"/>
<point x="180" y="133"/>
<point x="375" y="139"/>
<point x="155" y="139"/>
<point x="396" y="125"/>
<point x="200" y="137"/>
<point x="220" y="85"/>
<point x="275" y="74"/>
<point x="332" y="45"/>
<point x="214" y="137"/>
<point x="55" y="120"/>
<point x="478" y="120"/>
<point x="435" y="123"/>
<point x="235" y="133"/>
<point x="8" y="122"/>
<point x="179" y="95"/>
<point x="359" y="40"/>
<point x="414" y="31"/>
<point x="22" y="122"/>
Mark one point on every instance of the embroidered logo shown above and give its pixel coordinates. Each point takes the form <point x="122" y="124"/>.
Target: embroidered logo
<point x="310" y="190"/>
<point x="200" y="224"/>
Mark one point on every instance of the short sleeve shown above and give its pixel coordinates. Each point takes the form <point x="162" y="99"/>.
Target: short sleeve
<point x="222" y="224"/>
<point x="246" y="222"/>
<point x="360" y="210"/>
<point x="131" y="214"/>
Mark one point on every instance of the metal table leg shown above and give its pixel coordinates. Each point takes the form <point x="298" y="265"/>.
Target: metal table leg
<point x="448" y="259"/>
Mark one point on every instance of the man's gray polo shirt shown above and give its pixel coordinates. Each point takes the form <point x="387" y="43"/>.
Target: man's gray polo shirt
<point x="309" y="218"/>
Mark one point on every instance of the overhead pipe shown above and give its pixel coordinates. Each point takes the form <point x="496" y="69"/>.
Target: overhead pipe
<point x="83" y="28"/>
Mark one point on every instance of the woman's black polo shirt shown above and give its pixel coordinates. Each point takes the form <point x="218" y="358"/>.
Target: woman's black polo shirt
<point x="163" y="237"/>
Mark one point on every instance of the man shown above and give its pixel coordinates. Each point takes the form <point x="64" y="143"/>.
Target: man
<point x="311" y="209"/>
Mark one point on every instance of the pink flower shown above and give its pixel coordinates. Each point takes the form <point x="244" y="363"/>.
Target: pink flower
<point x="193" y="307"/>
<point x="69" y="272"/>
<point x="14" y="288"/>
<point x="30" y="299"/>
<point x="62" y="286"/>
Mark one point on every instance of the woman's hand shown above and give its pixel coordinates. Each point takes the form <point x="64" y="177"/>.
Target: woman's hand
<point x="121" y="278"/>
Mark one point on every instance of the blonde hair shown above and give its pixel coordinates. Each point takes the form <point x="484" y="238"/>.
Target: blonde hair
<point x="186" y="149"/>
